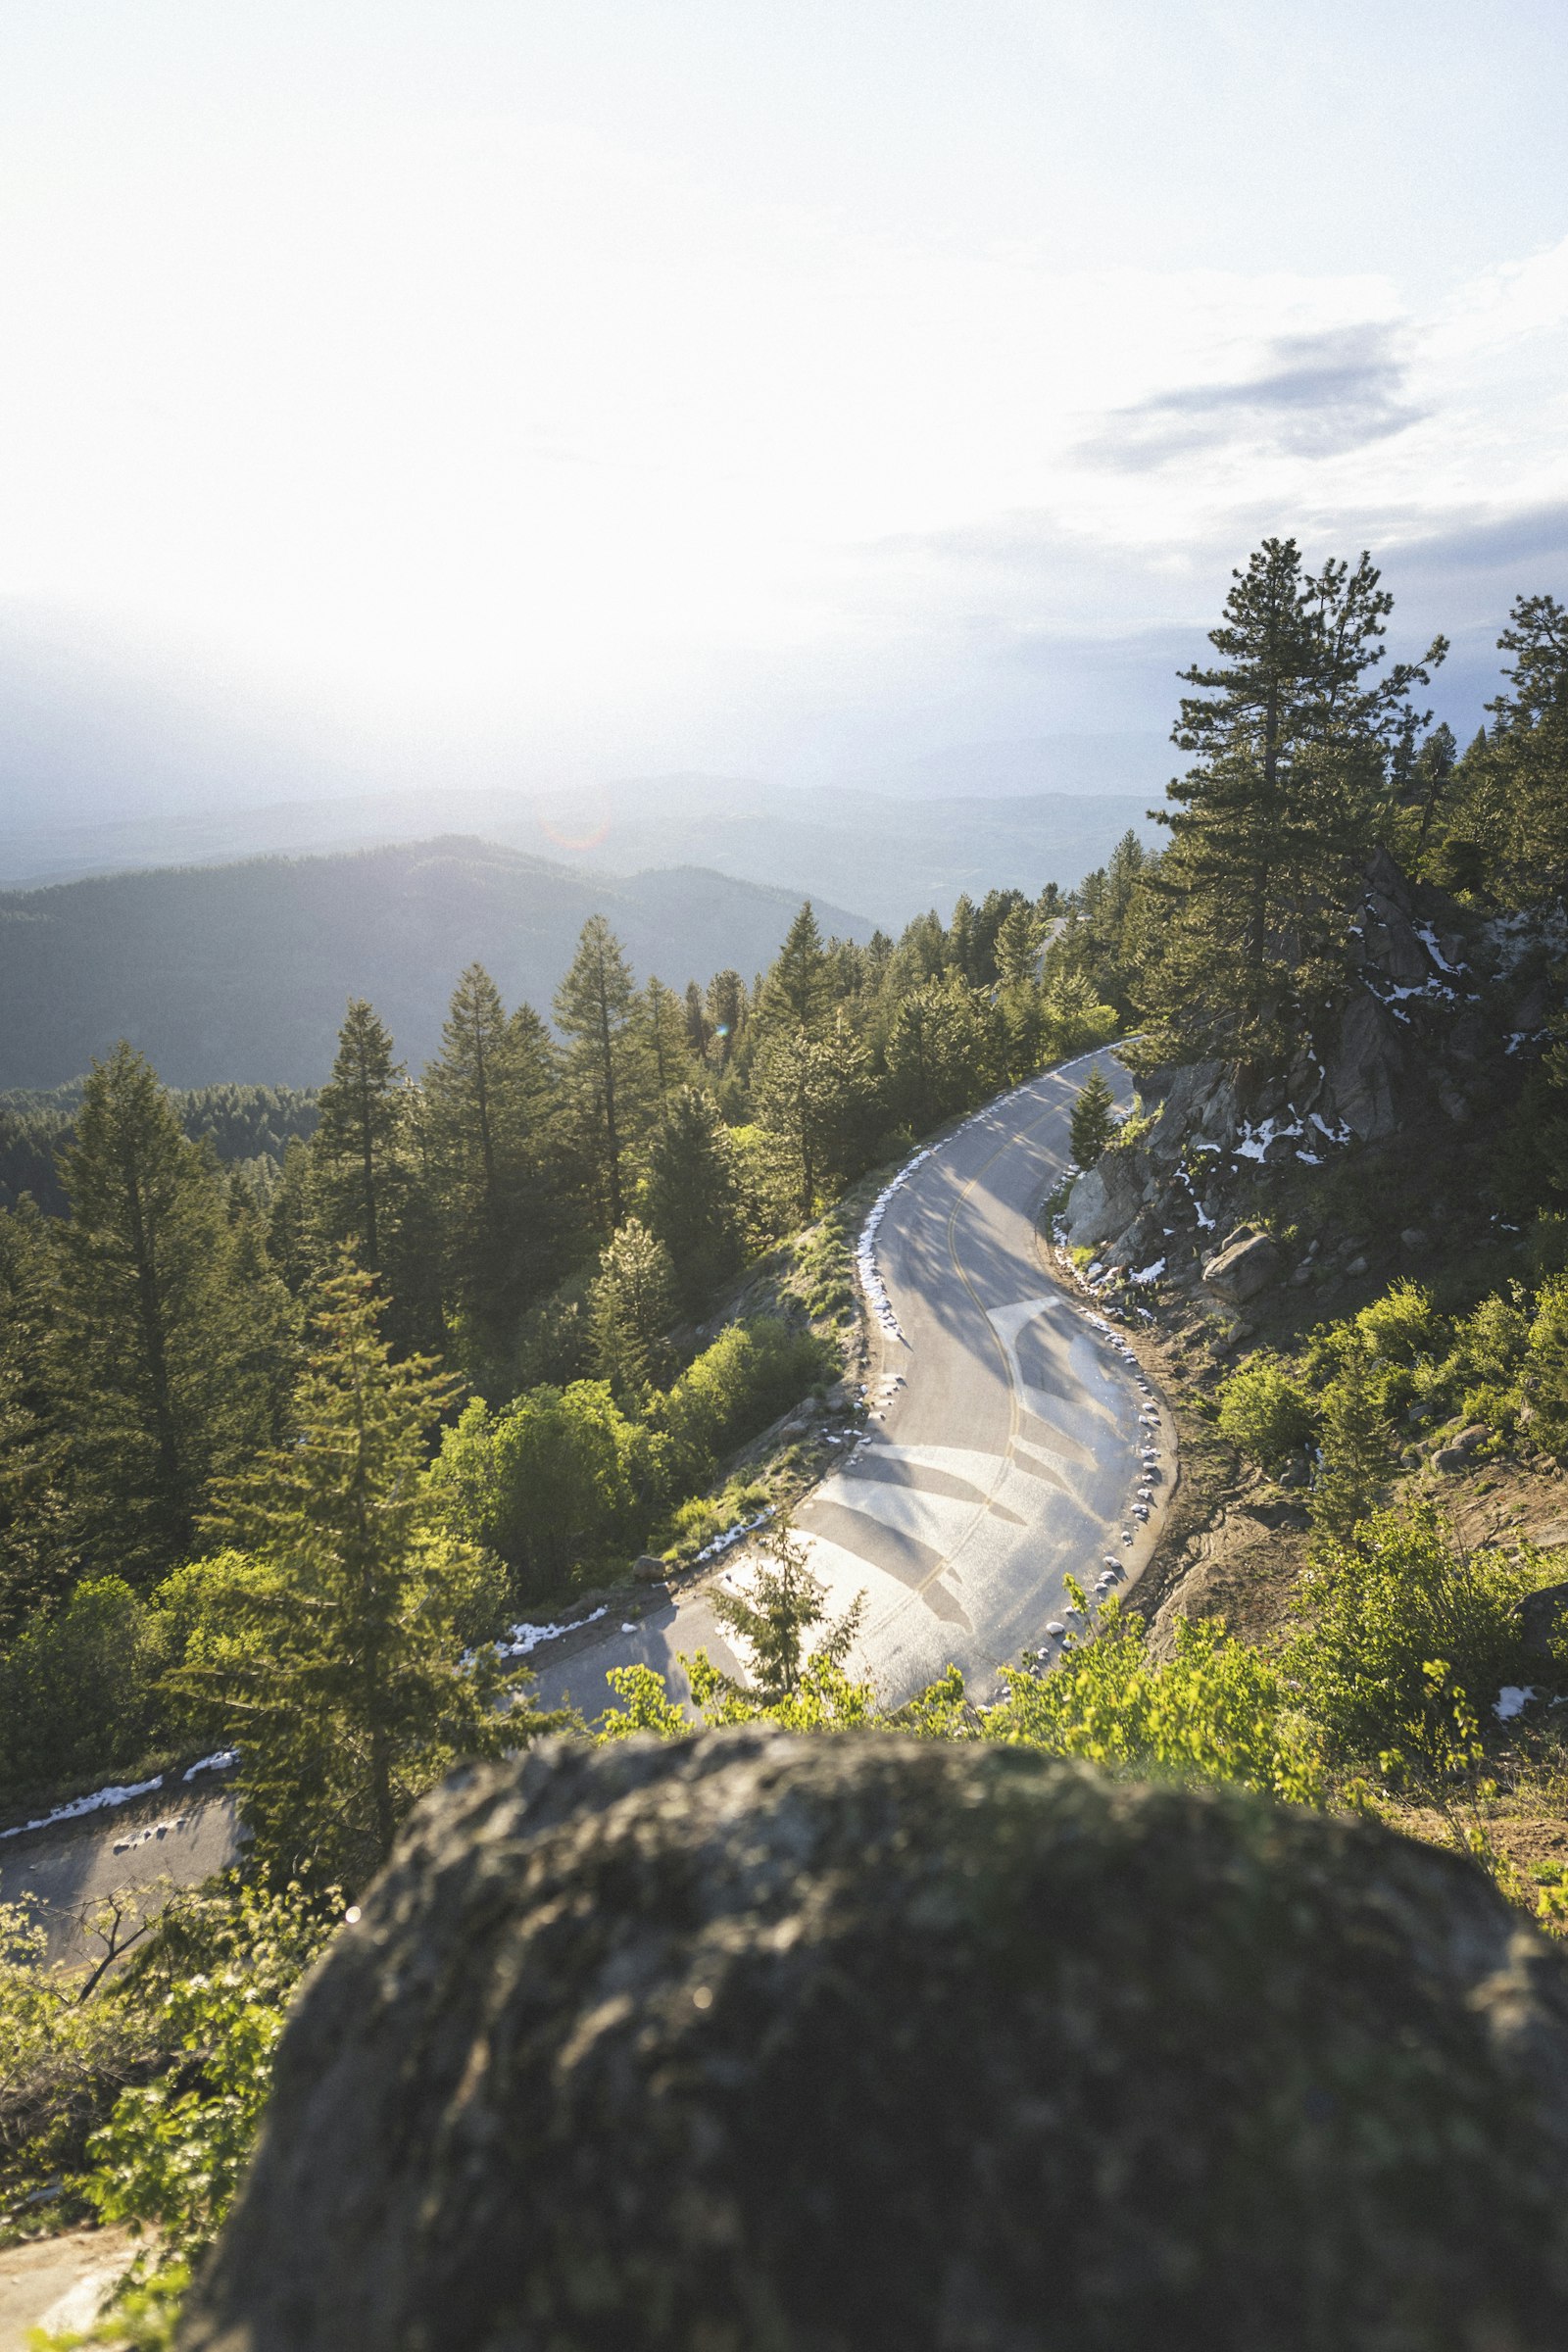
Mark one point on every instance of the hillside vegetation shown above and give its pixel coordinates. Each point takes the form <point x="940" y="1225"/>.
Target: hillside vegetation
<point x="281" y="1451"/>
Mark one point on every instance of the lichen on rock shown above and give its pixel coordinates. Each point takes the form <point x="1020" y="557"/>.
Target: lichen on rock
<point x="762" y="2043"/>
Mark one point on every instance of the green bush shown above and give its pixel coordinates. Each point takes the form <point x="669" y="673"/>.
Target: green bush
<point x="1263" y="1410"/>
<point x="1214" y="1710"/>
<point x="1383" y="1610"/>
<point x="730" y="1392"/>
<point x="78" y="1689"/>
<point x="1546" y="1374"/>
<point x="1404" y="1325"/>
<point x="553" y="1482"/>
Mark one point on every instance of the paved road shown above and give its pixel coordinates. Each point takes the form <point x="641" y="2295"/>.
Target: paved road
<point x="173" y="1835"/>
<point x="1005" y="1446"/>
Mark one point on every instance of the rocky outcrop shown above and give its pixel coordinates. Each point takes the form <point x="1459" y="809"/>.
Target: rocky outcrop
<point x="771" y="2044"/>
<point x="1431" y="1013"/>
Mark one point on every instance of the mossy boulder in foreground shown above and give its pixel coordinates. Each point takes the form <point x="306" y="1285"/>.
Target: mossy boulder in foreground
<point x="753" y="2043"/>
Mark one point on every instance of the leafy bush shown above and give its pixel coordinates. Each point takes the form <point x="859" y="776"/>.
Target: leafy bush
<point x="1480" y="1377"/>
<point x="1214" y="1710"/>
<point x="1404" y="1325"/>
<point x="550" y="1481"/>
<point x="1263" y="1410"/>
<point x="1382" y="1610"/>
<point x="752" y="1373"/>
<point x="78" y="1689"/>
<point x="1546" y="1376"/>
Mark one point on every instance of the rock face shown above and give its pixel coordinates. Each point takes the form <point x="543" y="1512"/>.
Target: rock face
<point x="1420" y="1042"/>
<point x="770" y="2044"/>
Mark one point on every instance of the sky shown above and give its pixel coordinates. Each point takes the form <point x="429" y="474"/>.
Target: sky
<point x="627" y="386"/>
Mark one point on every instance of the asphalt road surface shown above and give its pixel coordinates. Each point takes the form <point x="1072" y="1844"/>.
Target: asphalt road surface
<point x="170" y="1838"/>
<point x="1007" y="1442"/>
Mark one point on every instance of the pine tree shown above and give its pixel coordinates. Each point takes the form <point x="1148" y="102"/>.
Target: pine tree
<point x="357" y="1148"/>
<point x="172" y="1331"/>
<point x="1299" y="750"/>
<point x="818" y="1096"/>
<point x="699" y="1028"/>
<point x="348" y="1660"/>
<point x="1516" y="798"/>
<point x="631" y="1307"/>
<point x="727" y="1011"/>
<point x="488" y="1098"/>
<point x="693" y="1195"/>
<point x="596" y="1009"/>
<point x="665" y="1036"/>
<point x="795" y="993"/>
<point x="773" y="1618"/>
<point x="1356" y="1455"/>
<point x="37" y="1546"/>
<point x="1093" y="1118"/>
<point x="940" y="1053"/>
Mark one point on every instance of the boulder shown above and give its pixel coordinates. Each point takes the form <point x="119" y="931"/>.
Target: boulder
<point x="649" y="1569"/>
<point x="825" y="2045"/>
<point x="1245" y="1266"/>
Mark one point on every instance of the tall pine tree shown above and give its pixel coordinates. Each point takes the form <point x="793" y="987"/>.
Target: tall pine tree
<point x="172" y="1330"/>
<point x="1299" y="750"/>
<point x="595" y="1007"/>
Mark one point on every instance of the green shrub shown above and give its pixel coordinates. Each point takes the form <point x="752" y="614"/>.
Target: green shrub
<point x="554" y="1482"/>
<point x="78" y="1691"/>
<point x="730" y="1392"/>
<point x="1381" y="1611"/>
<point x="1404" y="1325"/>
<point x="1263" y="1410"/>
<point x="1214" y="1710"/>
<point x="1545" y="1372"/>
<point x="1481" y="1374"/>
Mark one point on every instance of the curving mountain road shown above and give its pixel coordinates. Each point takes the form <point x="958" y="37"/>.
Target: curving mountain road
<point x="1006" y="1445"/>
<point x="1006" y="1448"/>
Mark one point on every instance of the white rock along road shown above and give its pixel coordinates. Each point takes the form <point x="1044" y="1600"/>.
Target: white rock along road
<point x="1008" y="1440"/>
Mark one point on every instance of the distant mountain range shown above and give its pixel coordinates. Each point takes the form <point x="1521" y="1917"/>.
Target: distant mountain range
<point x="242" y="971"/>
<point x="893" y="852"/>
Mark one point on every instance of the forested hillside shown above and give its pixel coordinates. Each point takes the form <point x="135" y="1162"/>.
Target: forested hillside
<point x="241" y="972"/>
<point x="285" y="1445"/>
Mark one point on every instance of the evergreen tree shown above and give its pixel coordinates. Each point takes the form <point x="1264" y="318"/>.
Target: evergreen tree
<point x="940" y="1053"/>
<point x="1093" y="1118"/>
<point x="692" y="1197"/>
<point x="665" y="1036"/>
<point x="172" y="1329"/>
<point x="818" y="1097"/>
<point x="1356" y="1455"/>
<point x="596" y="1009"/>
<point x="727" y="1011"/>
<point x="796" y="991"/>
<point x="349" y="1661"/>
<point x="773" y="1618"/>
<point x="488" y="1099"/>
<point x="1516" y="796"/>
<point x="1298" y="748"/>
<point x="357" y="1149"/>
<point x="632" y="1305"/>
<point x="699" y="1028"/>
<point x="37" y="1547"/>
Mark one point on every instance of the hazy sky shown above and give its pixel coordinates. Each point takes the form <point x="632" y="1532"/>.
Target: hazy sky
<point x="779" y="384"/>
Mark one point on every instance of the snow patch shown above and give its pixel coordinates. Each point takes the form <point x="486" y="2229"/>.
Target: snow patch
<point x="520" y="1639"/>
<point x="1512" y="1700"/>
<point x="100" y="1801"/>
